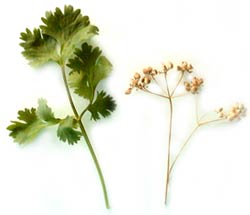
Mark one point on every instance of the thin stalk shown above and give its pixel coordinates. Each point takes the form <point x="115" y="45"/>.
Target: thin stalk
<point x="199" y="124"/>
<point x="178" y="83"/>
<point x="153" y="78"/>
<point x="156" y="94"/>
<point x="68" y="93"/>
<point x="196" y="109"/>
<point x="84" y="133"/>
<point x="183" y="146"/>
<point x="85" y="110"/>
<point x="180" y="95"/>
<point x="210" y="121"/>
<point x="169" y="139"/>
<point x="169" y="147"/>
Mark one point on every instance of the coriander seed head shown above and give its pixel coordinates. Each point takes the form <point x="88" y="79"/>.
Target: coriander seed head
<point x="185" y="67"/>
<point x="236" y="112"/>
<point x="194" y="85"/>
<point x="167" y="67"/>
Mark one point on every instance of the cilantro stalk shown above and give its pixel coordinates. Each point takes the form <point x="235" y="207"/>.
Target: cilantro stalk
<point x="63" y="39"/>
<point x="85" y="135"/>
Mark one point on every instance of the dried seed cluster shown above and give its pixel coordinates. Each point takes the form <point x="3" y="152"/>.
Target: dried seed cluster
<point x="141" y="81"/>
<point x="194" y="85"/>
<point x="167" y="67"/>
<point x="185" y="67"/>
<point x="237" y="111"/>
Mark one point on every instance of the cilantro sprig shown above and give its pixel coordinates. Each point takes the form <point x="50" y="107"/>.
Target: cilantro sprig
<point x="64" y="38"/>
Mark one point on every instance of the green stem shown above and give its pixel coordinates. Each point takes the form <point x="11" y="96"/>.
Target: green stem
<point x="105" y="193"/>
<point x="68" y="93"/>
<point x="84" y="111"/>
<point x="84" y="133"/>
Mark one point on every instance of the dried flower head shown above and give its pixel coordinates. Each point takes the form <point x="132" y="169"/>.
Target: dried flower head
<point x="167" y="67"/>
<point x="194" y="85"/>
<point x="167" y="88"/>
<point x="236" y="112"/>
<point x="185" y="67"/>
<point x="140" y="81"/>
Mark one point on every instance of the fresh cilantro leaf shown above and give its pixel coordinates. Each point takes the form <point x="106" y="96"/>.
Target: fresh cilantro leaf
<point x="38" y="48"/>
<point x="69" y="28"/>
<point x="67" y="130"/>
<point x="44" y="112"/>
<point x="89" y="67"/>
<point x="32" y="121"/>
<point x="103" y="106"/>
<point x="21" y="130"/>
<point x="79" y="82"/>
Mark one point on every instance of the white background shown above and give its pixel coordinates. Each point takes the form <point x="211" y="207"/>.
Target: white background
<point x="48" y="177"/>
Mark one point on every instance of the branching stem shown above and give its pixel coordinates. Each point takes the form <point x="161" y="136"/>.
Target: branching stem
<point x="182" y="147"/>
<point x="153" y="93"/>
<point x="170" y="95"/>
<point x="84" y="133"/>
<point x="178" y="83"/>
<point x="159" y="85"/>
<point x="199" y="124"/>
<point x="84" y="111"/>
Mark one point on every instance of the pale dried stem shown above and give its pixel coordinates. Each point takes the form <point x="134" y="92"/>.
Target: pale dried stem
<point x="158" y="84"/>
<point x="153" y="93"/>
<point x="169" y="138"/>
<point x="199" y="124"/>
<point x="178" y="83"/>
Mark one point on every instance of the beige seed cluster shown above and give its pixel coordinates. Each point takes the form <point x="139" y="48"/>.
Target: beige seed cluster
<point x="194" y="85"/>
<point x="141" y="81"/>
<point x="185" y="67"/>
<point x="237" y="111"/>
<point x="167" y="67"/>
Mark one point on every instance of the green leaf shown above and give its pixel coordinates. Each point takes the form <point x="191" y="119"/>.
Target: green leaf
<point x="44" y="112"/>
<point x="88" y="68"/>
<point x="38" y="48"/>
<point x="31" y="122"/>
<point x="67" y="130"/>
<point x="79" y="82"/>
<point x="103" y="106"/>
<point x="69" y="28"/>
<point x="21" y="130"/>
